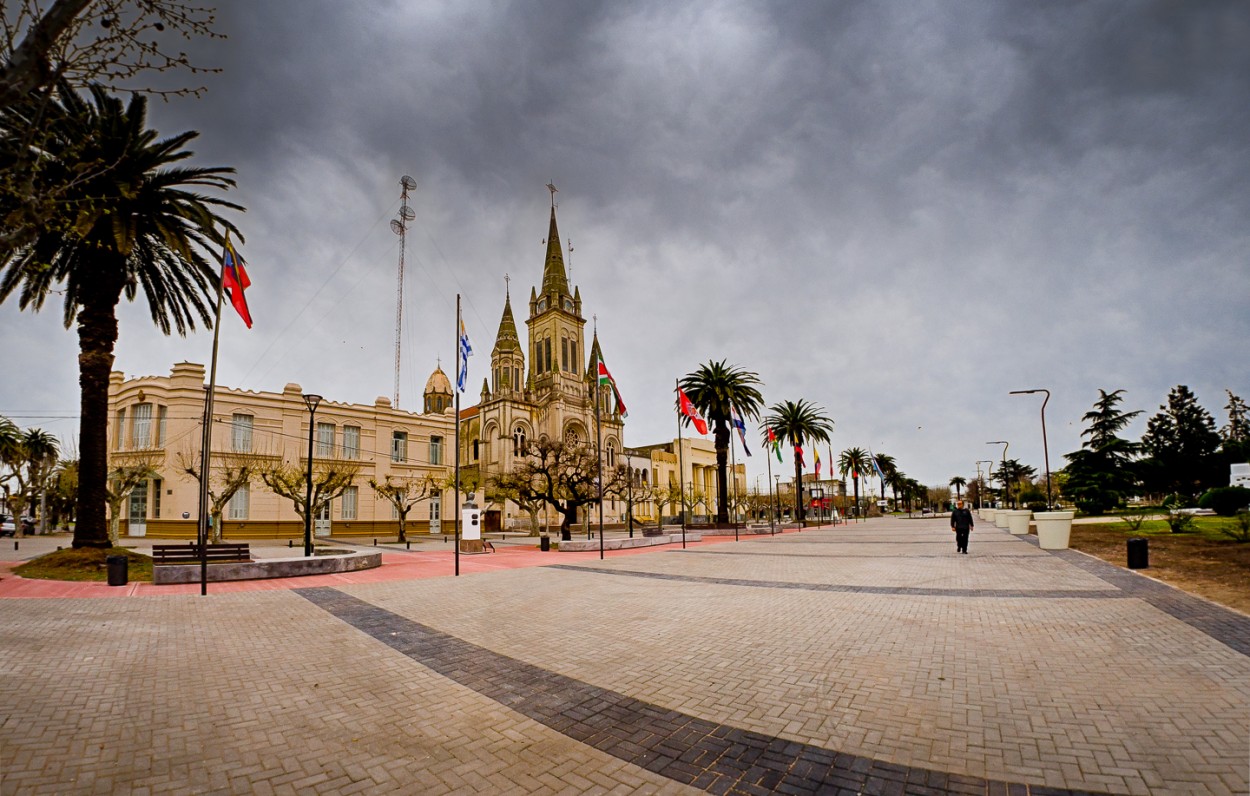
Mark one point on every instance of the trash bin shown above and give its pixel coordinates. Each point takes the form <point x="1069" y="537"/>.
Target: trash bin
<point x="544" y="543"/>
<point x="1138" y="553"/>
<point x="117" y="570"/>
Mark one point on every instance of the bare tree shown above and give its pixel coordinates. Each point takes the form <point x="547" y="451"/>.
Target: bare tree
<point x="329" y="479"/>
<point x="96" y="41"/>
<point x="404" y="494"/>
<point x="519" y="488"/>
<point x="562" y="475"/>
<point x="228" y="473"/>
<point x="127" y="469"/>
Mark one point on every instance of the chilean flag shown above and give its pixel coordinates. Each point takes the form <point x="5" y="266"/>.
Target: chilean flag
<point x="234" y="280"/>
<point x="689" y="411"/>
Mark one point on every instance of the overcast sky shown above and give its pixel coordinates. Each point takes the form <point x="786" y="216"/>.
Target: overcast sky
<point x="897" y="210"/>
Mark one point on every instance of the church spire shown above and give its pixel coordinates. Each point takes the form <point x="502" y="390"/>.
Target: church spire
<point x="555" y="278"/>
<point x="507" y="339"/>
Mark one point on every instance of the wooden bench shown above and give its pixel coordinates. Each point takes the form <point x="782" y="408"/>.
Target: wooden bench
<point x="190" y="553"/>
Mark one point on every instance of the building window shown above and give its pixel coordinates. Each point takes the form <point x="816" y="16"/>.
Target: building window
<point x="611" y="455"/>
<point x="325" y="439"/>
<point x="347" y="506"/>
<point x="547" y="354"/>
<point x="477" y="445"/>
<point x="436" y="508"/>
<point x="564" y="353"/>
<point x="162" y="414"/>
<point x="518" y="442"/>
<point x="516" y="379"/>
<point x="119" y="433"/>
<point x="573" y="364"/>
<point x="241" y="433"/>
<point x="157" y="486"/>
<point x="351" y="442"/>
<point x="240" y="502"/>
<point x="141" y="435"/>
<point x="436" y="450"/>
<point x="399" y="446"/>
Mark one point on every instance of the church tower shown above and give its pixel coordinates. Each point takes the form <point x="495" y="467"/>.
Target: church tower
<point x="556" y="325"/>
<point x="507" y="360"/>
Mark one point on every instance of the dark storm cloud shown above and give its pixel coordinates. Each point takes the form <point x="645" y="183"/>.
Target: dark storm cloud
<point x="900" y="211"/>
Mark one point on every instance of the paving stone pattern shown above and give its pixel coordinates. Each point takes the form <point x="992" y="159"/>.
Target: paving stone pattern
<point x="862" y="657"/>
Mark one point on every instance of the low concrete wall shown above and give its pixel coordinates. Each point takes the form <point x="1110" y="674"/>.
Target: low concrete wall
<point x="267" y="568"/>
<point x="581" y="545"/>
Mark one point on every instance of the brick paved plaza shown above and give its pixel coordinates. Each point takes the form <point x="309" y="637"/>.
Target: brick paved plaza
<point x="866" y="658"/>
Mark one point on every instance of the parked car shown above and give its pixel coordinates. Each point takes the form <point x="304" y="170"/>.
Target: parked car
<point x="7" y="526"/>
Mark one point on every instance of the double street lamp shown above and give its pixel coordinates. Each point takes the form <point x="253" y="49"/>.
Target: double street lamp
<point x="312" y="402"/>
<point x="1003" y="470"/>
<point x="1049" y="503"/>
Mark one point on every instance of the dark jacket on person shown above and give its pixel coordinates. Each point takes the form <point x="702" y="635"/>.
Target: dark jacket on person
<point x="961" y="520"/>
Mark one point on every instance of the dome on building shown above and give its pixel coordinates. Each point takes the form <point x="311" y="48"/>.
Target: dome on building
<point x="438" y="393"/>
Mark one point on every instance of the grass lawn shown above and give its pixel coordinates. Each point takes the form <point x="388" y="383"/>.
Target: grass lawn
<point x="1203" y="562"/>
<point x="84" y="564"/>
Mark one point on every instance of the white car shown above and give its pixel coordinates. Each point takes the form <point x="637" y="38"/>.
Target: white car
<point x="7" y="526"/>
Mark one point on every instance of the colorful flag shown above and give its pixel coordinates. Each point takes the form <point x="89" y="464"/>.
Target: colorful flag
<point x="798" y="454"/>
<point x="466" y="351"/>
<point x="689" y="411"/>
<point x="772" y="440"/>
<point x="877" y="467"/>
<point x="816" y="456"/>
<point x="234" y="280"/>
<point x="606" y="380"/>
<point x="741" y="426"/>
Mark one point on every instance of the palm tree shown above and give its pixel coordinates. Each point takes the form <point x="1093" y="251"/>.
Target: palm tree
<point x="958" y="482"/>
<point x="718" y="390"/>
<point x="799" y="422"/>
<point x="131" y="221"/>
<point x="854" y="461"/>
<point x="887" y="464"/>
<point x="897" y="480"/>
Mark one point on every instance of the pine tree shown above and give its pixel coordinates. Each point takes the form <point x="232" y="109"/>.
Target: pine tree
<point x="1100" y="475"/>
<point x="1235" y="435"/>
<point x="1180" y="445"/>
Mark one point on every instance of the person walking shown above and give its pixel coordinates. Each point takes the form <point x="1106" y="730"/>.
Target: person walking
<point x="961" y="524"/>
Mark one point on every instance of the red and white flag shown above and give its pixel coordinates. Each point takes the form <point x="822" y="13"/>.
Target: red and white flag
<point x="689" y="411"/>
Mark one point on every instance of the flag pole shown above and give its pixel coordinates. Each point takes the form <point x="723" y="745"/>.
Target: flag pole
<point x="455" y="517"/>
<point x="733" y="479"/>
<point x="599" y="457"/>
<point x="681" y="468"/>
<point x="772" y="515"/>
<point x="207" y="438"/>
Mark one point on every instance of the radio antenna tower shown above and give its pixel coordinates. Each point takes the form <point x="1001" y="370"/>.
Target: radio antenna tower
<point x="400" y="227"/>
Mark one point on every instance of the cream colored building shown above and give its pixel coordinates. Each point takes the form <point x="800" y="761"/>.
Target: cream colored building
<point x="162" y="414"/>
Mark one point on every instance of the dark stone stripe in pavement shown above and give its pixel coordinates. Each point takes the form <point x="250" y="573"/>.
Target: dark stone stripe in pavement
<point x="1230" y="628"/>
<point x="713" y="757"/>
<point x="912" y="591"/>
<point x="836" y="556"/>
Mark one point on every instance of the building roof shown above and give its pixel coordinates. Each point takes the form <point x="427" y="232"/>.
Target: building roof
<point x="438" y="383"/>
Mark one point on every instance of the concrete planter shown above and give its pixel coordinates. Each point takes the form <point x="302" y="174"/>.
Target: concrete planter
<point x="1054" y="529"/>
<point x="998" y="517"/>
<point x="1018" y="521"/>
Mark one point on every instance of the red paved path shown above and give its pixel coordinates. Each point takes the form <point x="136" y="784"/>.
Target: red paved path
<point x="396" y="565"/>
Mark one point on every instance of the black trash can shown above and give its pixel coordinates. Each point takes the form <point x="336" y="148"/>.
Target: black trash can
<point x="118" y="576"/>
<point x="1138" y="553"/>
<point x="544" y="543"/>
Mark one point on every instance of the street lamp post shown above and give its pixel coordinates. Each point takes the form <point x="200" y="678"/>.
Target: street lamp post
<point x="312" y="402"/>
<point x="777" y="497"/>
<point x="1045" y="452"/>
<point x="981" y="481"/>
<point x="1006" y="485"/>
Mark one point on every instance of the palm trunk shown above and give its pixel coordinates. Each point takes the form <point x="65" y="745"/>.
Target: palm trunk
<point x="798" y="491"/>
<point x="97" y="333"/>
<point x="722" y="467"/>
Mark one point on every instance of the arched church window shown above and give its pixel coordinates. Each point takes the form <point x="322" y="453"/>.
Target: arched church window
<point x="564" y="353"/>
<point x="518" y="441"/>
<point x="547" y="354"/>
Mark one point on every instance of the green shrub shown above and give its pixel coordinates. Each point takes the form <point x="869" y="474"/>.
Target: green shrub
<point x="1239" y="531"/>
<point x="1180" y="522"/>
<point x="1225" y="500"/>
